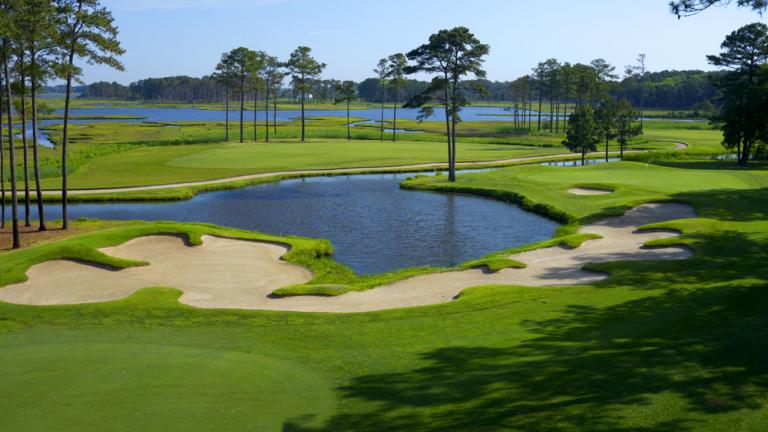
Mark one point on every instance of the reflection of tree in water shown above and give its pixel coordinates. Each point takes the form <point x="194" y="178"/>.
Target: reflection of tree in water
<point x="451" y="233"/>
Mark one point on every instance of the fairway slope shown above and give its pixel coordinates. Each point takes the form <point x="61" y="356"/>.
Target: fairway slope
<point x="226" y="273"/>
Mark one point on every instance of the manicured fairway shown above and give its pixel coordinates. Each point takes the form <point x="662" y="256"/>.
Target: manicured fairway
<point x="105" y="155"/>
<point x="659" y="346"/>
<point x="632" y="183"/>
<point x="128" y="386"/>
<point x="170" y="164"/>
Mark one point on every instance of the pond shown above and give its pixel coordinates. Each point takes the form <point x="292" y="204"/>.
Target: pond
<point x="576" y="163"/>
<point x="373" y="224"/>
<point x="196" y="114"/>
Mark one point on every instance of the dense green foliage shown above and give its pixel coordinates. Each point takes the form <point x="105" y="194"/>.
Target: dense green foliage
<point x="583" y="132"/>
<point x="671" y="90"/>
<point x="742" y="117"/>
<point x="683" y="8"/>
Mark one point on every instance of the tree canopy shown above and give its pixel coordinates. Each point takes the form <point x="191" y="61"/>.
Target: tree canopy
<point x="583" y="134"/>
<point x="683" y="8"/>
<point x="449" y="55"/>
<point x="743" y="116"/>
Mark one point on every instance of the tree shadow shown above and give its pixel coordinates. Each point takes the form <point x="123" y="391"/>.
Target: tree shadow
<point x="714" y="165"/>
<point x="691" y="347"/>
<point x="585" y="370"/>
<point x="729" y="204"/>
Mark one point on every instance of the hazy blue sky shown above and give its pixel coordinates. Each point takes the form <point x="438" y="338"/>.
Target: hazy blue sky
<point x="186" y="37"/>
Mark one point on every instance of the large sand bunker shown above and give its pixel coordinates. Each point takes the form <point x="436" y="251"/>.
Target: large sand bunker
<point x="225" y="273"/>
<point x="210" y="274"/>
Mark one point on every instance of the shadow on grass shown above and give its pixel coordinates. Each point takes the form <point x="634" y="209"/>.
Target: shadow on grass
<point x="689" y="351"/>
<point x="656" y="364"/>
<point x="714" y="165"/>
<point x="730" y="204"/>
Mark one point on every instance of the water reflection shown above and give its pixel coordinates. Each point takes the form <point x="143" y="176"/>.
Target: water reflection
<point x="373" y="224"/>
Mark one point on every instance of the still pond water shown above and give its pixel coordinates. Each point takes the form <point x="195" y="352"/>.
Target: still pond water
<point x="373" y="224"/>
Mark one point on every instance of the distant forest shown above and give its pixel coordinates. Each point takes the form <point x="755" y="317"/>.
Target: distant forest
<point x="673" y="90"/>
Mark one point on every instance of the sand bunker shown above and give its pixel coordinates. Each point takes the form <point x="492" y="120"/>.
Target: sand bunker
<point x="589" y="191"/>
<point x="210" y="275"/>
<point x="225" y="273"/>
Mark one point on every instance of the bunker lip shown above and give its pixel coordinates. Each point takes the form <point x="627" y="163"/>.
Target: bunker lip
<point x="241" y="274"/>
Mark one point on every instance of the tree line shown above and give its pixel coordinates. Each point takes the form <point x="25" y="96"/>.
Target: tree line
<point x="41" y="40"/>
<point x="742" y="93"/>
<point x="186" y="89"/>
<point x="671" y="90"/>
<point x="743" y="82"/>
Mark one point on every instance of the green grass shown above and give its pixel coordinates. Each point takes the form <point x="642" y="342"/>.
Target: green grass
<point x="108" y="154"/>
<point x="147" y="165"/>
<point x="195" y="384"/>
<point x="659" y="346"/>
<point x="632" y="183"/>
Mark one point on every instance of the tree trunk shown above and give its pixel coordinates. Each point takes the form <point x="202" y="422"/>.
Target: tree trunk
<point x="745" y="153"/>
<point x="642" y="103"/>
<point x="349" y="133"/>
<point x="394" y="115"/>
<point x="565" y="115"/>
<point x="255" y="115"/>
<point x="2" y="160"/>
<point x="226" y="116"/>
<point x="11" y="158"/>
<point x="583" y="158"/>
<point x="621" y="149"/>
<point x="452" y="172"/>
<point x="64" y="148"/>
<point x="454" y="117"/>
<point x="448" y="129"/>
<point x="606" y="149"/>
<point x="538" y="128"/>
<point x="553" y="108"/>
<point x="36" y="159"/>
<point x="529" y="114"/>
<point x="303" y="96"/>
<point x="381" y="124"/>
<point x="266" y="112"/>
<point x="24" y="144"/>
<point x="274" y="113"/>
<point x="242" y="107"/>
<point x="515" y="115"/>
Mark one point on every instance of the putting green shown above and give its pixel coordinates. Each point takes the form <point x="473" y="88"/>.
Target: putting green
<point x="131" y="387"/>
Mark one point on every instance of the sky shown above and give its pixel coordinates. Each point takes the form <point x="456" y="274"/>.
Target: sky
<point x="187" y="37"/>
